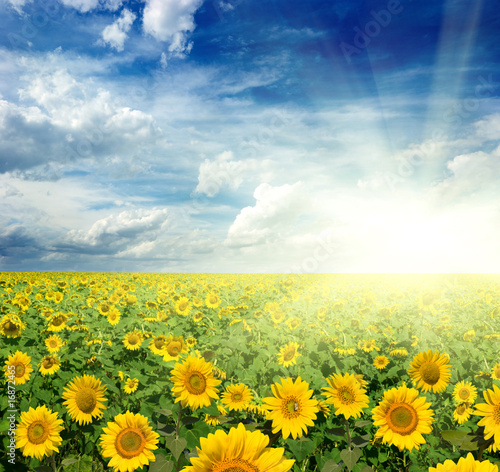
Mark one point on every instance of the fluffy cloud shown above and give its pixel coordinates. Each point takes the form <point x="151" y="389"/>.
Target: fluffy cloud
<point x="225" y="171"/>
<point x="85" y="6"/>
<point x="116" y="33"/>
<point x="489" y="127"/>
<point x="171" y="21"/>
<point x="274" y="214"/>
<point x="119" y="233"/>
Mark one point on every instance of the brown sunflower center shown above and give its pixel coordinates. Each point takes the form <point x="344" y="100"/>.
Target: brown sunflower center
<point x="236" y="397"/>
<point x="289" y="354"/>
<point x="48" y="362"/>
<point x="430" y="373"/>
<point x="346" y="395"/>
<point x="196" y="383"/>
<point x="495" y="414"/>
<point x="235" y="465"/>
<point x="130" y="442"/>
<point x="464" y="393"/>
<point x="133" y="339"/>
<point x="461" y="409"/>
<point x="20" y="370"/>
<point x="183" y="305"/>
<point x="37" y="432"/>
<point x="212" y="299"/>
<point x="174" y="348"/>
<point x="86" y="400"/>
<point x="290" y="407"/>
<point x="10" y="327"/>
<point x="58" y="321"/>
<point x="496" y="372"/>
<point x="402" y="418"/>
<point x="159" y="343"/>
<point x="53" y="343"/>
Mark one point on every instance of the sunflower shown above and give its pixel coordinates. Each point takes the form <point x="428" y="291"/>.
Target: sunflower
<point x="292" y="409"/>
<point x="402" y="418"/>
<point x="198" y="316"/>
<point x="157" y="345"/>
<point x="278" y="316"/>
<point x="288" y="354"/>
<point x="430" y="371"/>
<point x="194" y="383"/>
<point x="11" y="326"/>
<point x="468" y="464"/>
<point x="49" y="365"/>
<point x="239" y="450"/>
<point x="464" y="392"/>
<point x="212" y="300"/>
<point x="462" y="412"/>
<point x="58" y="322"/>
<point x="131" y="386"/>
<point x="214" y="420"/>
<point x="237" y="397"/>
<point x="293" y="323"/>
<point x="183" y="306"/>
<point x="346" y="394"/>
<point x="174" y="347"/>
<point x="495" y="372"/>
<point x="37" y="434"/>
<point x="54" y="343"/>
<point x="399" y="352"/>
<point x="191" y="342"/>
<point x="380" y="362"/>
<point x="491" y="412"/>
<point x="129" y="441"/>
<point x="83" y="398"/>
<point x="18" y="368"/>
<point x="133" y="340"/>
<point x="114" y="316"/>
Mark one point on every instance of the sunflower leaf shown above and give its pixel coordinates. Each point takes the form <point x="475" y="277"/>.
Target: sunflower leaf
<point x="161" y="464"/>
<point x="176" y="446"/>
<point x="331" y="466"/>
<point x="350" y="457"/>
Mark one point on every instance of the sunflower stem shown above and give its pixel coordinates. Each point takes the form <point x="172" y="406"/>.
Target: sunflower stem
<point x="53" y="463"/>
<point x="178" y="422"/>
<point x="348" y="431"/>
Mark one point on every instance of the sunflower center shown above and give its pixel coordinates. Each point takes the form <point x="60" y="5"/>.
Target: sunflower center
<point x="37" y="433"/>
<point x="461" y="409"/>
<point x="430" y="373"/>
<point x="86" y="400"/>
<point x="496" y="414"/>
<point x="159" y="343"/>
<point x="196" y="383"/>
<point x="402" y="419"/>
<point x="183" y="306"/>
<point x="174" y="348"/>
<point x="290" y="407"/>
<point x="235" y="465"/>
<point x="130" y="443"/>
<point x="10" y="327"/>
<point x="288" y="355"/>
<point x="48" y="362"/>
<point x="464" y="394"/>
<point x="53" y="343"/>
<point x="20" y="370"/>
<point x="237" y="397"/>
<point x="58" y="321"/>
<point x="346" y="395"/>
<point x="133" y="339"/>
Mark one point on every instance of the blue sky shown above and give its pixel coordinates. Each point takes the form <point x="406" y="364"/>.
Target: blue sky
<point x="245" y="136"/>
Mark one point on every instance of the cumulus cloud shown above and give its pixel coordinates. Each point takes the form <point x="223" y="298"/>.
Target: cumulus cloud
<point x="116" y="33"/>
<point x="119" y="233"/>
<point x="489" y="127"/>
<point x="273" y="215"/>
<point x="224" y="171"/>
<point x="62" y="119"/>
<point x="171" y="21"/>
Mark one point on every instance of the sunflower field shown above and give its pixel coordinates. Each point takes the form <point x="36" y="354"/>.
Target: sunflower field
<point x="249" y="372"/>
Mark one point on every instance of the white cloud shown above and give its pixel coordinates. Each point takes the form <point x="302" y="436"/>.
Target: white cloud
<point x="171" y="21"/>
<point x="273" y="216"/>
<point x="489" y="127"/>
<point x="83" y="6"/>
<point x="116" y="33"/>
<point x="115" y="233"/>
<point x="213" y="175"/>
<point x="19" y="4"/>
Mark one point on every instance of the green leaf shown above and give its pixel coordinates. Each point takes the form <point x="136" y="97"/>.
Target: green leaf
<point x="43" y="468"/>
<point x="361" y="441"/>
<point x="301" y="448"/>
<point x="361" y="423"/>
<point x="331" y="466"/>
<point x="69" y="461"/>
<point x="350" y="457"/>
<point x="462" y="439"/>
<point x="176" y="446"/>
<point x="161" y="464"/>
